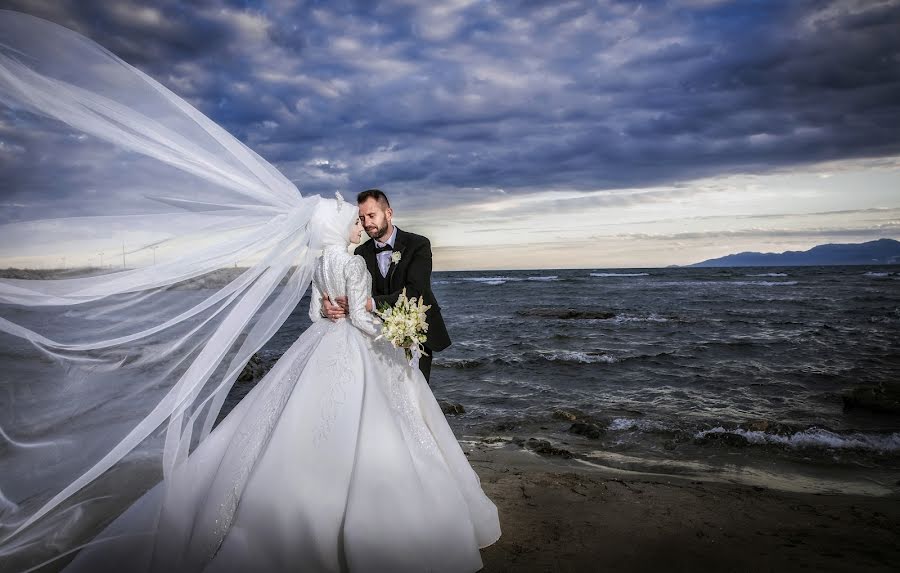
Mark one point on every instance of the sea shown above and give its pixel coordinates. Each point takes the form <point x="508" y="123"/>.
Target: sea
<point x="738" y="374"/>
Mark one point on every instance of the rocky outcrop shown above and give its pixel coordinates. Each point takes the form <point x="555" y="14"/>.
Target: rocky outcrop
<point x="587" y="429"/>
<point x="253" y="371"/>
<point x="451" y="408"/>
<point x="542" y="447"/>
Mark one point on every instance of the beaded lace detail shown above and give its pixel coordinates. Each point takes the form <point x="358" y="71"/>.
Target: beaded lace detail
<point x="339" y="273"/>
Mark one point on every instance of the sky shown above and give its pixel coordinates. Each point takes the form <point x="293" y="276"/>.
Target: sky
<point x="545" y="134"/>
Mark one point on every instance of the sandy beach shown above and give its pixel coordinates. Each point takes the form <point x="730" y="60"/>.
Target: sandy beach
<point x="559" y="516"/>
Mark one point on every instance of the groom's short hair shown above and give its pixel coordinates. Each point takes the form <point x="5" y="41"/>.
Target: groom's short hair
<point x="376" y="194"/>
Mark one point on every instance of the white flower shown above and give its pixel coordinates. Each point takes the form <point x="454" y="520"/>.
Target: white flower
<point x="395" y="257"/>
<point x="405" y="324"/>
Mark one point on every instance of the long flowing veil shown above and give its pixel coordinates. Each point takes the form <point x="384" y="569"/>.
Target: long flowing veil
<point x="176" y="252"/>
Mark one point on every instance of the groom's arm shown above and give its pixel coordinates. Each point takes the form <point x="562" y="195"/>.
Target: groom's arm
<point x="340" y="308"/>
<point x="418" y="276"/>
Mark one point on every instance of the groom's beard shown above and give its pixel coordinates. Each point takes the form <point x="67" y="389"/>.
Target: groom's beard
<point x="377" y="232"/>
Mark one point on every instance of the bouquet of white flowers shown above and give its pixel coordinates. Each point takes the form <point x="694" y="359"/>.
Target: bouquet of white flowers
<point x="404" y="324"/>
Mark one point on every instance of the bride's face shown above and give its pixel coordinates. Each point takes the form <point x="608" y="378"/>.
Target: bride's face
<point x="356" y="231"/>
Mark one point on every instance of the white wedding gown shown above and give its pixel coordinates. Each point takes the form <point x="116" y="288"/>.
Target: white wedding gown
<point x="339" y="459"/>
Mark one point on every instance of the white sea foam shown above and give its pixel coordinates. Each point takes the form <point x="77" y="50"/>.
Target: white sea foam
<point x="653" y="317"/>
<point x="768" y="275"/>
<point x="876" y="274"/>
<point x="621" y="424"/>
<point x="722" y="283"/>
<point x="620" y="274"/>
<point x="579" y="357"/>
<point x="817" y="438"/>
<point x="762" y="283"/>
<point x="501" y="280"/>
<point x="488" y="280"/>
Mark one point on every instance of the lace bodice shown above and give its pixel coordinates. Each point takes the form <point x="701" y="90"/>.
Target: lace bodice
<point x="339" y="273"/>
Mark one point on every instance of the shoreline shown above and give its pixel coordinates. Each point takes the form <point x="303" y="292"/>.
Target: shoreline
<point x="558" y="515"/>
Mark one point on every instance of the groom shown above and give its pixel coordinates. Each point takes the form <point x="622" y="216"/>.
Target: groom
<point x="396" y="260"/>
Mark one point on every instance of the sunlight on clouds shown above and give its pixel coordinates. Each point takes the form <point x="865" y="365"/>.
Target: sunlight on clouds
<point x="251" y="26"/>
<point x="142" y="15"/>
<point x="663" y="226"/>
<point x="538" y="134"/>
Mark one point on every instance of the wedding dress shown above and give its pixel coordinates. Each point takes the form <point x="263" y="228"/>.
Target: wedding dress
<point x="339" y="459"/>
<point x="112" y="378"/>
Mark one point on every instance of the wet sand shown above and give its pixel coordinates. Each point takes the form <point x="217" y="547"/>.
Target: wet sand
<point x="559" y="517"/>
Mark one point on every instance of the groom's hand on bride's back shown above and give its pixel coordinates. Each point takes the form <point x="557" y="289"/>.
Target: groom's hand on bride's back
<point x="334" y="310"/>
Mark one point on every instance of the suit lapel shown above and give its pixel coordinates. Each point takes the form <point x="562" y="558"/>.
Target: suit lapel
<point x="399" y="244"/>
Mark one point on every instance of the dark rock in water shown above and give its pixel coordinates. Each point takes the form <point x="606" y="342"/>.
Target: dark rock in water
<point x="519" y="441"/>
<point x="587" y="429"/>
<point x="568" y="415"/>
<point x="771" y="427"/>
<point x="459" y="364"/>
<point x="883" y="397"/>
<point x="504" y="426"/>
<point x="253" y="371"/>
<point x="493" y="440"/>
<point x="725" y="438"/>
<point x="758" y="425"/>
<point x="565" y="313"/>
<point x="452" y="408"/>
<point x="545" y="448"/>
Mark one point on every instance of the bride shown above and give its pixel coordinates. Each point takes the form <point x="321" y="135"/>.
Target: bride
<point x="112" y="377"/>
<point x="339" y="459"/>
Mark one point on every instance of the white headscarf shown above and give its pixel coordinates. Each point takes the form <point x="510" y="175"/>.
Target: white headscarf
<point x="331" y="223"/>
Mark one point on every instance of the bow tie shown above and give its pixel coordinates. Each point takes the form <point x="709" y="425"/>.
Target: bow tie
<point x="386" y="247"/>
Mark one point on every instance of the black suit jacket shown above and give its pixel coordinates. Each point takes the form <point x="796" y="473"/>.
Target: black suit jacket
<point x="413" y="272"/>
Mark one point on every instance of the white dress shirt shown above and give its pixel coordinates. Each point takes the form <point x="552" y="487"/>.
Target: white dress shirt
<point x="384" y="257"/>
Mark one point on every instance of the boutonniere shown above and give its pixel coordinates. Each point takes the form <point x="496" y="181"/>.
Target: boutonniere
<point x="395" y="257"/>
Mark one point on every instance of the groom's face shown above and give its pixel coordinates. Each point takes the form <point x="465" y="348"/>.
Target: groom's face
<point x="376" y="218"/>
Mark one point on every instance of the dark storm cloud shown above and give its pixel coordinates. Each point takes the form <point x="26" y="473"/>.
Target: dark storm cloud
<point x="420" y="98"/>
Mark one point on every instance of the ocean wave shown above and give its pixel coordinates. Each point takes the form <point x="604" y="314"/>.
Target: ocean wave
<point x="809" y="438"/>
<point x="815" y="438"/>
<point x="487" y="280"/>
<point x="502" y="280"/>
<point x="653" y="317"/>
<point x="877" y="275"/>
<point x="622" y="424"/>
<point x="577" y="357"/>
<point x="459" y="363"/>
<point x="620" y="274"/>
<point x="723" y="283"/>
<point x="768" y="275"/>
<point x="762" y="283"/>
<point x="558" y="356"/>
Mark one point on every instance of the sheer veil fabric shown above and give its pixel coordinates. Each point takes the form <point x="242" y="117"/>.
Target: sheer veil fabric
<point x="112" y="375"/>
<point x="339" y="459"/>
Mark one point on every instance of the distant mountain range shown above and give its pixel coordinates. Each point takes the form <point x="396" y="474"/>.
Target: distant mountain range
<point x="880" y="252"/>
